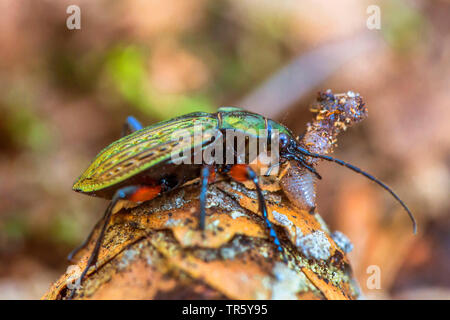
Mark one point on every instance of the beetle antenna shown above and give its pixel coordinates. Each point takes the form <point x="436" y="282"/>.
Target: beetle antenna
<point x="356" y="169"/>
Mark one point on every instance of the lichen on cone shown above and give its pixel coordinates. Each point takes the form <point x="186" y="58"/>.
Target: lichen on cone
<point x="156" y="251"/>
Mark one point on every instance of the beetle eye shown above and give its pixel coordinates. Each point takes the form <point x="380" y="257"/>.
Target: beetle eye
<point x="283" y="140"/>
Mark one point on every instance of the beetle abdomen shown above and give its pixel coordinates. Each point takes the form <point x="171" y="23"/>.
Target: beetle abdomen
<point x="298" y="184"/>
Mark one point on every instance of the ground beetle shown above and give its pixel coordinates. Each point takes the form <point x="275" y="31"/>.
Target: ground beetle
<point x="139" y="167"/>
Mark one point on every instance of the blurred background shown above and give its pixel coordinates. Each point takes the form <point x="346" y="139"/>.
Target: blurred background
<point x="64" y="95"/>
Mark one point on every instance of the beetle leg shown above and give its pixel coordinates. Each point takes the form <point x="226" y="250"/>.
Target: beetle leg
<point x="302" y="162"/>
<point x="207" y="174"/>
<point x="83" y="245"/>
<point x="131" y="125"/>
<point x="204" y="180"/>
<point x="242" y="172"/>
<point x="144" y="193"/>
<point x="311" y="169"/>
<point x="133" y="193"/>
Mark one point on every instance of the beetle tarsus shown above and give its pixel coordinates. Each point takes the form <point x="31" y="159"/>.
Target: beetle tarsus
<point x="119" y="195"/>
<point x="263" y="208"/>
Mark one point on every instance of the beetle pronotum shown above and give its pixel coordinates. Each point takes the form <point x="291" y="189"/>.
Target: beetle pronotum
<point x="139" y="166"/>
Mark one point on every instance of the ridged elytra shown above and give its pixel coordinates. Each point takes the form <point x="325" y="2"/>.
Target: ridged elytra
<point x="139" y="166"/>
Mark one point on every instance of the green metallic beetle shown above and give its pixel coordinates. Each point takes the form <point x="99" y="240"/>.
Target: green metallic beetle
<point x="140" y="166"/>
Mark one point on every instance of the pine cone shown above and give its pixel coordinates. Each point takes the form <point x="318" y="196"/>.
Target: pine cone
<point x="156" y="251"/>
